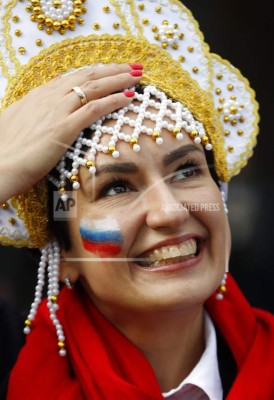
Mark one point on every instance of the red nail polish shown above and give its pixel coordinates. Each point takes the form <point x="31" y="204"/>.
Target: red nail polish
<point x="136" y="72"/>
<point x="129" y="93"/>
<point x="136" y="66"/>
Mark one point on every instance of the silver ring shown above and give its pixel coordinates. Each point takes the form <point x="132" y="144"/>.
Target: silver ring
<point x="81" y="95"/>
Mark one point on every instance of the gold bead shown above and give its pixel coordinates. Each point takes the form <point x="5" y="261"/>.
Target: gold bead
<point x="176" y="130"/>
<point x="28" y="322"/>
<point x="48" y="22"/>
<point x="230" y="149"/>
<point x="165" y="22"/>
<point x="220" y="109"/>
<point x="54" y="299"/>
<point x="233" y="122"/>
<point x="221" y="100"/>
<point x="181" y="36"/>
<point x="205" y="140"/>
<point x="39" y="42"/>
<point x="116" y="25"/>
<point x="72" y="27"/>
<point x="61" y="344"/>
<point x="223" y="289"/>
<point x="56" y="3"/>
<point x="175" y="46"/>
<point x="37" y="10"/>
<point x="41" y="18"/>
<point x="29" y="8"/>
<point x="158" y="9"/>
<point x="145" y="21"/>
<point x="18" y="32"/>
<point x="195" y="70"/>
<point x="226" y="118"/>
<point x="56" y="25"/>
<point x="81" y="21"/>
<point x="219" y="76"/>
<point x="233" y="97"/>
<point x="154" y="28"/>
<point x="78" y="3"/>
<point x="133" y="141"/>
<point x="193" y="134"/>
<point x="106" y="9"/>
<point x="35" y="3"/>
<point x="74" y="178"/>
<point x="226" y="133"/>
<point x="156" y="135"/>
<point x="65" y="23"/>
<point x="15" y="18"/>
<point x="77" y="12"/>
<point x="240" y="132"/>
<point x="218" y="91"/>
<point x="22" y="50"/>
<point x="175" y="26"/>
<point x="62" y="190"/>
<point x="89" y="163"/>
<point x="49" y="31"/>
<point x="84" y="10"/>
<point x="157" y="36"/>
<point x="230" y="87"/>
<point x="190" y="49"/>
<point x="96" y="26"/>
<point x="164" y="45"/>
<point x="169" y="33"/>
<point x="241" y="119"/>
<point x="12" y="221"/>
<point x="233" y="110"/>
<point x="72" y="19"/>
<point x="111" y="149"/>
<point x="141" y="7"/>
<point x="5" y="205"/>
<point x="33" y="18"/>
<point x="181" y="58"/>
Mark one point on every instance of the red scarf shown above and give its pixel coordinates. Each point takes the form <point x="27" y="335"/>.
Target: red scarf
<point x="106" y="365"/>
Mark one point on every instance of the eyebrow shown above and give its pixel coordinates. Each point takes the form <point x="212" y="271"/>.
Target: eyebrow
<point x="129" y="167"/>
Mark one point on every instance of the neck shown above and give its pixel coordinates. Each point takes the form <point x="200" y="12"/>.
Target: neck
<point x="172" y="342"/>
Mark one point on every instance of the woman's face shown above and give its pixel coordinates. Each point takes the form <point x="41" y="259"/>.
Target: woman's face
<point x="151" y="232"/>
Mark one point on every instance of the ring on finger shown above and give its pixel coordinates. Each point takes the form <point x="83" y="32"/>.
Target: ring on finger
<point x="81" y="95"/>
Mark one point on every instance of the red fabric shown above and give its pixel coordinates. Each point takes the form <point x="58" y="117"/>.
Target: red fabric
<point x="107" y="366"/>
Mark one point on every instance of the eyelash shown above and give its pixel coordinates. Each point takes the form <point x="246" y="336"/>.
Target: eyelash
<point x="190" y="165"/>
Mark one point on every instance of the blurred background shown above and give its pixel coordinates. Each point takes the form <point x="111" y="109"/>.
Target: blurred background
<point x="242" y="32"/>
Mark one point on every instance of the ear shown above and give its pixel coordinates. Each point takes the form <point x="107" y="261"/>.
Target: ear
<point x="68" y="269"/>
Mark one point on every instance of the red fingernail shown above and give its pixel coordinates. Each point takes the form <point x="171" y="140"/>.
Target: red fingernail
<point x="136" y="66"/>
<point x="136" y="72"/>
<point x="129" y="93"/>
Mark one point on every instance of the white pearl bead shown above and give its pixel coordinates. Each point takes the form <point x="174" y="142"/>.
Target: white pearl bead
<point x="115" y="154"/>
<point x="76" y="185"/>
<point x="136" y="148"/>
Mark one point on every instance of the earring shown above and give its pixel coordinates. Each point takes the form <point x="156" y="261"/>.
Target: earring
<point x="50" y="255"/>
<point x="224" y="201"/>
<point x="68" y="283"/>
<point x="222" y="288"/>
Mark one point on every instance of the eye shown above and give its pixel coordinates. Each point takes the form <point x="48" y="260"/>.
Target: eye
<point x="116" y="186"/>
<point x="188" y="170"/>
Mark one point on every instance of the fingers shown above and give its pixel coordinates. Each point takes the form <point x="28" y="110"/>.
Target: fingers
<point x="96" y="89"/>
<point x="91" y="112"/>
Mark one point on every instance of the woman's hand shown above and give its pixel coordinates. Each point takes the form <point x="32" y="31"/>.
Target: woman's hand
<point x="36" y="131"/>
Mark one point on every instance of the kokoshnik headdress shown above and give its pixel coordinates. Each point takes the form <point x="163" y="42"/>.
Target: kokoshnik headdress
<point x="198" y="91"/>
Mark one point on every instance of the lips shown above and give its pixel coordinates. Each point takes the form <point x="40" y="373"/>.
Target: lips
<point x="171" y="254"/>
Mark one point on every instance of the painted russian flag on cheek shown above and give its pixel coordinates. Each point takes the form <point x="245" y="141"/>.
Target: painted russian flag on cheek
<point x="101" y="237"/>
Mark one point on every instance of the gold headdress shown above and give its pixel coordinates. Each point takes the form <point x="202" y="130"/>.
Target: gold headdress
<point x="165" y="38"/>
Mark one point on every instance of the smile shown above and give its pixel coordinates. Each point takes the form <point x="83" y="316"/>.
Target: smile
<point x="174" y="254"/>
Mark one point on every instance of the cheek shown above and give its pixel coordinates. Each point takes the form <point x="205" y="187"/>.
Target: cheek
<point x="102" y="237"/>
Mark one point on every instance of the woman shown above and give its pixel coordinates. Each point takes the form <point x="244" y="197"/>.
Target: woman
<point x="150" y="242"/>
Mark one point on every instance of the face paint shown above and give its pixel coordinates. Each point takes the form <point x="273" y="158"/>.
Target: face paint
<point x="101" y="237"/>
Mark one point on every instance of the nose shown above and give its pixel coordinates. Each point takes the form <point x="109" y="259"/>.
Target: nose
<point x="164" y="207"/>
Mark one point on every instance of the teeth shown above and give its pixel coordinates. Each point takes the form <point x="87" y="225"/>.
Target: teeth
<point x="172" y="253"/>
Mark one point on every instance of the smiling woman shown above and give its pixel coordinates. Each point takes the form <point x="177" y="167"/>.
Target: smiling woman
<point x="125" y="197"/>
